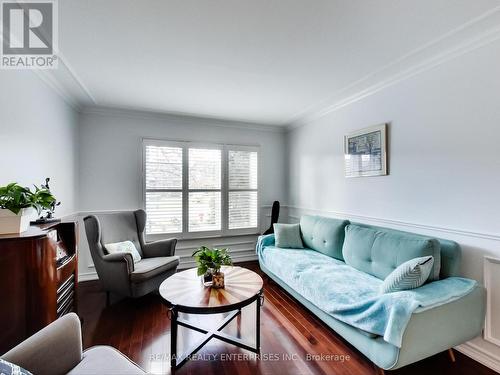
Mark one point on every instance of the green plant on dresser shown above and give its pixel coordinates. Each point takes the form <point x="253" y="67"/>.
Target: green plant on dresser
<point x="19" y="205"/>
<point x="14" y="197"/>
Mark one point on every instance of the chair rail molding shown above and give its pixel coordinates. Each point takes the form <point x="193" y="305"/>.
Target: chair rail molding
<point x="294" y="213"/>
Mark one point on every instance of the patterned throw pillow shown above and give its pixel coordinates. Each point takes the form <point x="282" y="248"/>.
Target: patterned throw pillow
<point x="288" y="236"/>
<point x="409" y="275"/>
<point x="123" y="247"/>
<point x="7" y="368"/>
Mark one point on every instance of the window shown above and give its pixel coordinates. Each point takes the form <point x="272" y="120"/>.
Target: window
<point x="242" y="168"/>
<point x="192" y="189"/>
<point x="204" y="189"/>
<point x="163" y="189"/>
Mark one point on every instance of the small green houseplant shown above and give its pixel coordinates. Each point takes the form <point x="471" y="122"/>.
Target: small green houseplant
<point x="209" y="262"/>
<point x="18" y="205"/>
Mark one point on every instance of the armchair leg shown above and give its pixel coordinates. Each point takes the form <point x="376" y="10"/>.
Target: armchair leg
<point x="452" y="355"/>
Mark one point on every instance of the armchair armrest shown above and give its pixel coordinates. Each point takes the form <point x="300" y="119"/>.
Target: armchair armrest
<point x="161" y="248"/>
<point x="55" y="349"/>
<point x="114" y="272"/>
<point x="123" y="260"/>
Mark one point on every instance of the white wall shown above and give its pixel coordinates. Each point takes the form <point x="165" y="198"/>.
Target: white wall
<point x="38" y="132"/>
<point x="111" y="170"/>
<point x="444" y="160"/>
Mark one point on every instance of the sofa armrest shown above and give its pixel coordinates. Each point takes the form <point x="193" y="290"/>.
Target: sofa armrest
<point x="54" y="350"/>
<point x="263" y="241"/>
<point x="442" y="327"/>
<point x="160" y="248"/>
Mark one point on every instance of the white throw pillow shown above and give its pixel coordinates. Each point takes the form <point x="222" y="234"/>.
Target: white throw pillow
<point x="123" y="247"/>
<point x="408" y="275"/>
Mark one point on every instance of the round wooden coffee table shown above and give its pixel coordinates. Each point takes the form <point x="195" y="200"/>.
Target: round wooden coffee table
<point x="184" y="292"/>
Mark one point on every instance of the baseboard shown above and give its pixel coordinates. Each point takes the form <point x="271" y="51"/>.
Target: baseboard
<point x="480" y="355"/>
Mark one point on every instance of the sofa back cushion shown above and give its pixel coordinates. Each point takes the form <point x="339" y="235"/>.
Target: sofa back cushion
<point x="378" y="251"/>
<point x="451" y="258"/>
<point x="323" y="234"/>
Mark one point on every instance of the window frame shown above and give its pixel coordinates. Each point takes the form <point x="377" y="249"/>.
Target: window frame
<point x="224" y="190"/>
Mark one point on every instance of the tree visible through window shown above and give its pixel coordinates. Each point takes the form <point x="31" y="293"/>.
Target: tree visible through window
<point x="199" y="189"/>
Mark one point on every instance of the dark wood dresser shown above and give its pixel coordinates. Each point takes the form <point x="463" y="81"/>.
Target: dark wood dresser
<point x="38" y="279"/>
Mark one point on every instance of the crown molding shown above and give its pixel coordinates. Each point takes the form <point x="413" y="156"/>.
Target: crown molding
<point x="66" y="83"/>
<point x="54" y="80"/>
<point x="59" y="89"/>
<point x="79" y="82"/>
<point x="188" y="119"/>
<point x="465" y="38"/>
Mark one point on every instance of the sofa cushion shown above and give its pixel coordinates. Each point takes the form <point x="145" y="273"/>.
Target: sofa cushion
<point x="379" y="251"/>
<point x="288" y="235"/>
<point x="323" y="234"/>
<point x="105" y="360"/>
<point x="150" y="267"/>
<point x="409" y="275"/>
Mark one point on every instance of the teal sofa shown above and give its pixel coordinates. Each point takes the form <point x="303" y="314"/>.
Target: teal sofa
<point x="377" y="251"/>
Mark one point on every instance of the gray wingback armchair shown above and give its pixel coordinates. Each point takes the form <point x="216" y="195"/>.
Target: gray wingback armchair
<point x="117" y="272"/>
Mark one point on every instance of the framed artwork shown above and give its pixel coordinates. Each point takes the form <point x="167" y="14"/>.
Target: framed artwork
<point x="365" y="152"/>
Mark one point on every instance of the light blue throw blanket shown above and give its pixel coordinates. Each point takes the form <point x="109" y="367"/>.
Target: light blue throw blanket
<point x="352" y="296"/>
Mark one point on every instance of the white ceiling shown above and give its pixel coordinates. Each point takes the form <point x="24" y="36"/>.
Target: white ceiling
<point x="263" y="61"/>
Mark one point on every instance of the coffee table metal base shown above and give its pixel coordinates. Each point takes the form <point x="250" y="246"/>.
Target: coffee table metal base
<point x="177" y="361"/>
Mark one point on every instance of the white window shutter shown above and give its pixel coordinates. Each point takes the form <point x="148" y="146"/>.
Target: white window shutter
<point x="163" y="168"/>
<point x="164" y="212"/>
<point x="204" y="168"/>
<point x="242" y="196"/>
<point x="186" y="188"/>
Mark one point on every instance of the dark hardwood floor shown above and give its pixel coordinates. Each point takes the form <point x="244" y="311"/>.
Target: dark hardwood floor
<point x="290" y="337"/>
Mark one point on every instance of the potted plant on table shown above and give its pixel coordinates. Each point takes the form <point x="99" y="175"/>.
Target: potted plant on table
<point x="19" y="205"/>
<point x="209" y="262"/>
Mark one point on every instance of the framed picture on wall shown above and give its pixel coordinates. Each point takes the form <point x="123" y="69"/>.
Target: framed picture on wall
<point x="365" y="152"/>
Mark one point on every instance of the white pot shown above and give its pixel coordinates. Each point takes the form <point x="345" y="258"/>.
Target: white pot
<point x="12" y="223"/>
